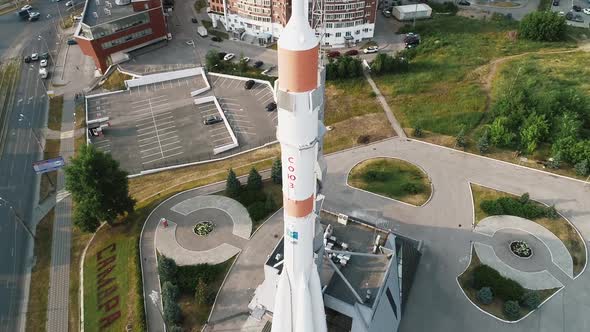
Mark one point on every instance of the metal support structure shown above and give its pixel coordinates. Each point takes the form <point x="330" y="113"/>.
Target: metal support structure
<point x="346" y="282"/>
<point x="352" y="253"/>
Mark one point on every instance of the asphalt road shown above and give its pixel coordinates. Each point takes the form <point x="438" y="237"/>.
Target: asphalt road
<point x="17" y="180"/>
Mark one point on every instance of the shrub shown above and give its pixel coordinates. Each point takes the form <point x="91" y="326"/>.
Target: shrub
<point x="172" y="313"/>
<point x="169" y="292"/>
<point x="520" y="207"/>
<point x="376" y="176"/>
<point x="542" y="26"/>
<point x="524" y="198"/>
<point x="483" y="143"/>
<point x="270" y="205"/>
<point x="485" y="295"/>
<point x="201" y="292"/>
<point x="418" y="132"/>
<point x="512" y="310"/>
<point x="552" y="212"/>
<point x="175" y="328"/>
<point x="363" y="139"/>
<point x="188" y="276"/>
<point x="460" y="139"/>
<point x="504" y="288"/>
<point x="257" y="211"/>
<point x="276" y="173"/>
<point x="248" y="197"/>
<point x="412" y="188"/>
<point x="167" y="269"/>
<point x="531" y="300"/>
<point x="582" y="168"/>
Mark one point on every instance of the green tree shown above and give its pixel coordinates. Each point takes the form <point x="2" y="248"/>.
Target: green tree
<point x="500" y="135"/>
<point x="276" y="172"/>
<point x="352" y="68"/>
<point x="582" y="168"/>
<point x="169" y="292"/>
<point x="418" y="131"/>
<point x="483" y="143"/>
<point x="485" y="295"/>
<point x="201" y="292"/>
<point x="568" y="125"/>
<point x="167" y="269"/>
<point x="377" y="66"/>
<point x="533" y="130"/>
<point x="460" y="139"/>
<point x="232" y="185"/>
<point x="254" y="180"/>
<point x="175" y="328"/>
<point x="269" y="205"/>
<point x="99" y="188"/>
<point x="542" y="26"/>
<point x="342" y="69"/>
<point x="512" y="310"/>
<point x="172" y="313"/>
<point x="212" y="59"/>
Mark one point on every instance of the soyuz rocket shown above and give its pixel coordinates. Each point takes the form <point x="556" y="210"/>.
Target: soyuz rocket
<point x="299" y="305"/>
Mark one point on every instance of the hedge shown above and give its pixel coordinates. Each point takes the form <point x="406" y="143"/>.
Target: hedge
<point x="504" y="288"/>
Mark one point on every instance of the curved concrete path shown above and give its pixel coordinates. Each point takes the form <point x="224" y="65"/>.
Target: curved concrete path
<point x="560" y="256"/>
<point x="168" y="246"/>
<point x="237" y="212"/>
<point x="531" y="280"/>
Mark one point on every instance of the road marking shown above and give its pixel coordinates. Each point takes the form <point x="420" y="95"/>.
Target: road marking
<point x="162" y="129"/>
<point x="170" y="144"/>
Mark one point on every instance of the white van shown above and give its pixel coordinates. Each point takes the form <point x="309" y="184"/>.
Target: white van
<point x="43" y="72"/>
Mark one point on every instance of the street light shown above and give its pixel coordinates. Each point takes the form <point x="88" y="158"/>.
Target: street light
<point x="18" y="218"/>
<point x="155" y="297"/>
<point x="21" y="118"/>
<point x="48" y="51"/>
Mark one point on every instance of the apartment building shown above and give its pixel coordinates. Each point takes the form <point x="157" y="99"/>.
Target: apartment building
<point x="111" y="29"/>
<point x="345" y="21"/>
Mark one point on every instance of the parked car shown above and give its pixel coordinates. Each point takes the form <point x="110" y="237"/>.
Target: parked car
<point x="72" y="42"/>
<point x="44" y="55"/>
<point x="43" y="72"/>
<point x="464" y="3"/>
<point x="258" y="64"/>
<point x="35" y="56"/>
<point x="229" y="56"/>
<point x="268" y="70"/>
<point x="212" y="120"/>
<point x="351" y="52"/>
<point x="245" y="59"/>
<point x="556" y="2"/>
<point x="371" y="49"/>
<point x="577" y="8"/>
<point x="215" y="39"/>
<point x="578" y="18"/>
<point x="69" y="3"/>
<point x="412" y="40"/>
<point x="386" y="13"/>
<point x="586" y="11"/>
<point x="561" y="14"/>
<point x="249" y="84"/>
<point x="43" y="63"/>
<point x="26" y="7"/>
<point x="27" y="59"/>
<point x="194" y="20"/>
<point x="271" y="106"/>
<point x="34" y="16"/>
<point x="333" y="54"/>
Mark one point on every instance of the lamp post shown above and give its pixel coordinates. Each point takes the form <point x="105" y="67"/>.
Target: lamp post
<point x="155" y="297"/>
<point x="18" y="217"/>
<point x="47" y="47"/>
<point x="21" y="118"/>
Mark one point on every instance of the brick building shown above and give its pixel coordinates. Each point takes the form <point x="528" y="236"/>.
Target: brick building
<point x="346" y="21"/>
<point x="110" y="29"/>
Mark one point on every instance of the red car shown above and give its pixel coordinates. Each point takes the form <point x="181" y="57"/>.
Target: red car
<point x="351" y="52"/>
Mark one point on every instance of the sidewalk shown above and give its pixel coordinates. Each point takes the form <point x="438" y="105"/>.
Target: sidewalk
<point x="388" y="112"/>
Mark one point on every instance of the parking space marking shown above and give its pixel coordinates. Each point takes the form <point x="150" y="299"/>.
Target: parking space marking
<point x="162" y="129"/>
<point x="220" y="134"/>
<point x="261" y="90"/>
<point x="167" y="133"/>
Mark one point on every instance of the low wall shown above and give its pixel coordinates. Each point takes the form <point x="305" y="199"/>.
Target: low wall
<point x="234" y="143"/>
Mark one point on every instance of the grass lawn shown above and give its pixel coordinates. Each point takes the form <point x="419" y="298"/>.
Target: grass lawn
<point x="195" y="315"/>
<point x="441" y="92"/>
<point x="353" y="112"/>
<point x="39" y="291"/>
<point x="55" y="109"/>
<point x="494" y="308"/>
<point x="560" y="227"/>
<point x="116" y="81"/>
<point x="393" y="178"/>
<point x="127" y="276"/>
<point x="51" y="151"/>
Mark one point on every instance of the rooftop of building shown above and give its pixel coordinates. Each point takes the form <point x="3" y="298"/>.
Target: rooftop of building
<point x="100" y="11"/>
<point x="364" y="273"/>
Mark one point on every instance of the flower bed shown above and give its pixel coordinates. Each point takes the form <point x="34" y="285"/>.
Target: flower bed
<point x="203" y="228"/>
<point x="521" y="249"/>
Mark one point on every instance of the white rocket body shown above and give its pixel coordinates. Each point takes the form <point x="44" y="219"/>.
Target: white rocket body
<point x="299" y="303"/>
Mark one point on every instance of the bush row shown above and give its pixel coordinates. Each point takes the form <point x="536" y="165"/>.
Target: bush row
<point x="521" y="207"/>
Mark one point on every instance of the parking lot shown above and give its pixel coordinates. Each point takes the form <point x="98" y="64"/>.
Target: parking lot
<point x="159" y="125"/>
<point x="566" y="6"/>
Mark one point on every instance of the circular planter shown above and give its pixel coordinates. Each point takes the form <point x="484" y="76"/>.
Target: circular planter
<point x="521" y="249"/>
<point x="203" y="228"/>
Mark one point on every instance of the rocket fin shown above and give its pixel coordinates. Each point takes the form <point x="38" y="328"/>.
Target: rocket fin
<point x="282" y="316"/>
<point x="303" y="309"/>
<point x="317" y="301"/>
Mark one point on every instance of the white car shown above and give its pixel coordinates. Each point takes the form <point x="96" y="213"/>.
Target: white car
<point x="371" y="49"/>
<point x="245" y="59"/>
<point x="586" y="11"/>
<point x="34" y="56"/>
<point x="27" y="7"/>
<point x="229" y="56"/>
<point x="43" y="63"/>
<point x="69" y="3"/>
<point x="561" y="14"/>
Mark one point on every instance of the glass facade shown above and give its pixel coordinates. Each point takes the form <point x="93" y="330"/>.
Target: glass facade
<point x="109" y="28"/>
<point x="122" y="40"/>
